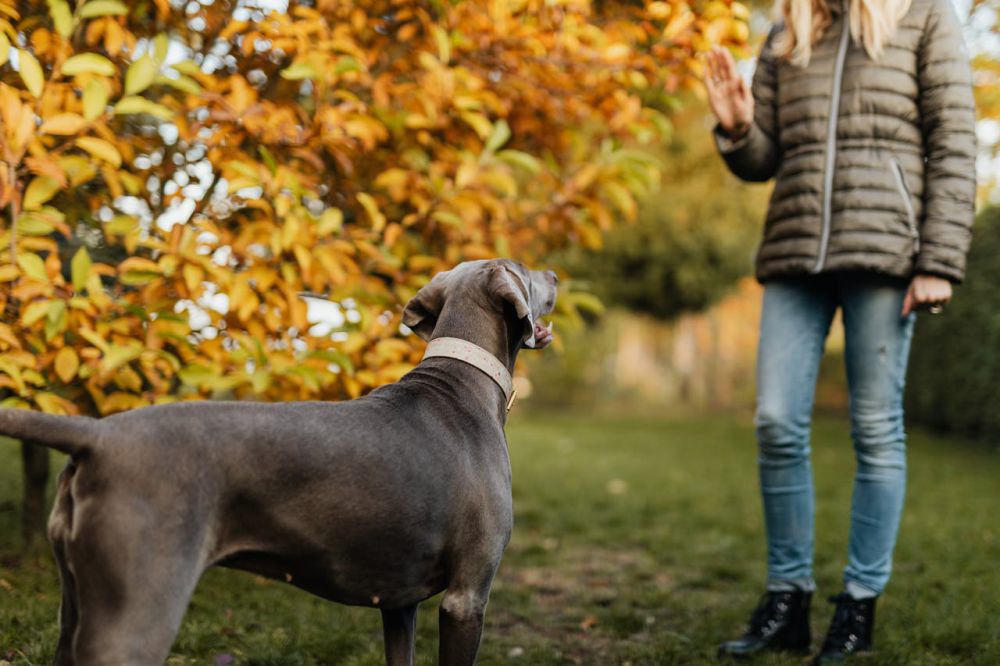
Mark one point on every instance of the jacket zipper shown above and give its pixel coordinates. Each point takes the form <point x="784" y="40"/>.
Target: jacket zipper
<point x="904" y="191"/>
<point x="831" y="142"/>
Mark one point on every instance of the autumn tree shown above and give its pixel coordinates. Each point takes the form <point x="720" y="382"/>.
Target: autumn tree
<point x="181" y="181"/>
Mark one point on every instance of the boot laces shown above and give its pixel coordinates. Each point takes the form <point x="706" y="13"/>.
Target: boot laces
<point x="848" y="623"/>
<point x="766" y="616"/>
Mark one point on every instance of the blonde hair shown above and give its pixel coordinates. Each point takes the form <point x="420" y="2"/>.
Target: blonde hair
<point x="872" y="24"/>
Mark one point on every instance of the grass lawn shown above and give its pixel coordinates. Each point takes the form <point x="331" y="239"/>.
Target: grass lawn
<point x="637" y="541"/>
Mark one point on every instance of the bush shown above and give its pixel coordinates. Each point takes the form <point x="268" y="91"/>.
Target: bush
<point x="954" y="381"/>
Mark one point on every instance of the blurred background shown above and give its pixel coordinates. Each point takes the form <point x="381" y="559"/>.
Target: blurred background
<point x="232" y="199"/>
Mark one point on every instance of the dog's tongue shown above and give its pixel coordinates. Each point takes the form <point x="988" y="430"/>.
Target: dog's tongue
<point x="543" y="334"/>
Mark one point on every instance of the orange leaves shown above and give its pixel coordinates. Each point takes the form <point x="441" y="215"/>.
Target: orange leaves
<point x="175" y="214"/>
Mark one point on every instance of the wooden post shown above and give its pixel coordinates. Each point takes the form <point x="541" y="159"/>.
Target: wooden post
<point x="36" y="478"/>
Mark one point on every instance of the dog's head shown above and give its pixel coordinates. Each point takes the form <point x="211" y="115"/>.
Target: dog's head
<point x="522" y="295"/>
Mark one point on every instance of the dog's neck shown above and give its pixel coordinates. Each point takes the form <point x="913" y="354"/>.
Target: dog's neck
<point x="489" y="330"/>
<point x="483" y="327"/>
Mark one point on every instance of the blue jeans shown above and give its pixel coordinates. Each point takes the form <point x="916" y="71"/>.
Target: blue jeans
<point x="795" y="321"/>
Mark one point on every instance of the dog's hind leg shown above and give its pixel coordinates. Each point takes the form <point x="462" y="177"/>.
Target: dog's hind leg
<point x="68" y="609"/>
<point x="399" y="628"/>
<point x="60" y="524"/>
<point x="135" y="573"/>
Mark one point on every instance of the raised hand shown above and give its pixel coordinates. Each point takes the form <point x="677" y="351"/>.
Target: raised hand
<point x="728" y="95"/>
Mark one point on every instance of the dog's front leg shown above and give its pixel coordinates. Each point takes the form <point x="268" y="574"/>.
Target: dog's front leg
<point x="399" y="628"/>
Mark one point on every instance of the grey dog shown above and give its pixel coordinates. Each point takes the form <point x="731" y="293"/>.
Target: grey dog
<point x="383" y="501"/>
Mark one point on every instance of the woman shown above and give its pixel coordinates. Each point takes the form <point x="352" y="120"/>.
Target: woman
<point x="862" y="111"/>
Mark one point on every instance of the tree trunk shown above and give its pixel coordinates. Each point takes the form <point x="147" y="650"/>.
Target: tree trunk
<point x="36" y="477"/>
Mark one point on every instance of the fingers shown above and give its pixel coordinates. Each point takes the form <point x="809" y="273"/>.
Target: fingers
<point x="927" y="292"/>
<point x="908" y="302"/>
<point x="718" y="72"/>
<point x="728" y="65"/>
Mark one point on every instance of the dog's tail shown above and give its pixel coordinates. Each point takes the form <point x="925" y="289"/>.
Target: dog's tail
<point x="73" y="435"/>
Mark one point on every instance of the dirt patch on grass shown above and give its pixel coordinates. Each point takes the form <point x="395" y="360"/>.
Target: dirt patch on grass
<point x="580" y="600"/>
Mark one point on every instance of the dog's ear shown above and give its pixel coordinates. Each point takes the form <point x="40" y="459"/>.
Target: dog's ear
<point x="506" y="285"/>
<point x="421" y="314"/>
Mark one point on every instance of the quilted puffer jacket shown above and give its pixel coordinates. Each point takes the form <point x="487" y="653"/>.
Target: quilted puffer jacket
<point x="874" y="161"/>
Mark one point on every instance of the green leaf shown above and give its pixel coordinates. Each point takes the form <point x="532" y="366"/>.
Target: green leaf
<point x="56" y="320"/>
<point x="189" y="67"/>
<point x="195" y="375"/>
<point x="347" y="64"/>
<point x="519" y="159"/>
<point x="80" y="267"/>
<point x="121" y="225"/>
<point x="339" y="359"/>
<point x="499" y="136"/>
<point x="33" y="224"/>
<point x="137" y="278"/>
<point x="137" y="104"/>
<point x="95" y="98"/>
<point x="62" y="17"/>
<point x="268" y="158"/>
<point x="161" y="44"/>
<point x="34" y="312"/>
<point x="100" y="149"/>
<point x="33" y="266"/>
<point x="31" y="72"/>
<point x="97" y="8"/>
<point x="88" y="63"/>
<point x="299" y="70"/>
<point x="118" y="355"/>
<point x="443" y="43"/>
<point x="140" y="75"/>
<point x="40" y="190"/>
<point x="182" y="83"/>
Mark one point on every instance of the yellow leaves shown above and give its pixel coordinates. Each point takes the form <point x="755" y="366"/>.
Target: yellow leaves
<point x="88" y="63"/>
<point x="95" y="98"/>
<point x="330" y="222"/>
<point x="120" y="402"/>
<point x="137" y="104"/>
<point x="64" y="124"/>
<point x="243" y="298"/>
<point x="39" y="191"/>
<point x="442" y="42"/>
<point x="408" y="153"/>
<point x="32" y="266"/>
<point x="376" y="217"/>
<point x="140" y="75"/>
<point x="34" y="312"/>
<point x="117" y="355"/>
<point x="100" y="149"/>
<point x="31" y="72"/>
<point x="56" y="319"/>
<point x="298" y="70"/>
<point x="9" y="273"/>
<point x="66" y="364"/>
<point x="98" y="8"/>
<point x="80" y="268"/>
<point x="480" y="123"/>
<point x="680" y="22"/>
<point x="4" y="49"/>
<point x="62" y="17"/>
<point x="138" y="270"/>
<point x="241" y="95"/>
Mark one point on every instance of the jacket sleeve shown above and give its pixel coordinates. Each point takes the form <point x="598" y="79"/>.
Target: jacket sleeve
<point x="755" y="156"/>
<point x="947" y="116"/>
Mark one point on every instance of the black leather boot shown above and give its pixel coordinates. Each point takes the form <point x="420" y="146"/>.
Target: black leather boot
<point x="850" y="630"/>
<point x="780" y="622"/>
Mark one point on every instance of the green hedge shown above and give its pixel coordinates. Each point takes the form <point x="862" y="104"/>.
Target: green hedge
<point x="954" y="378"/>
